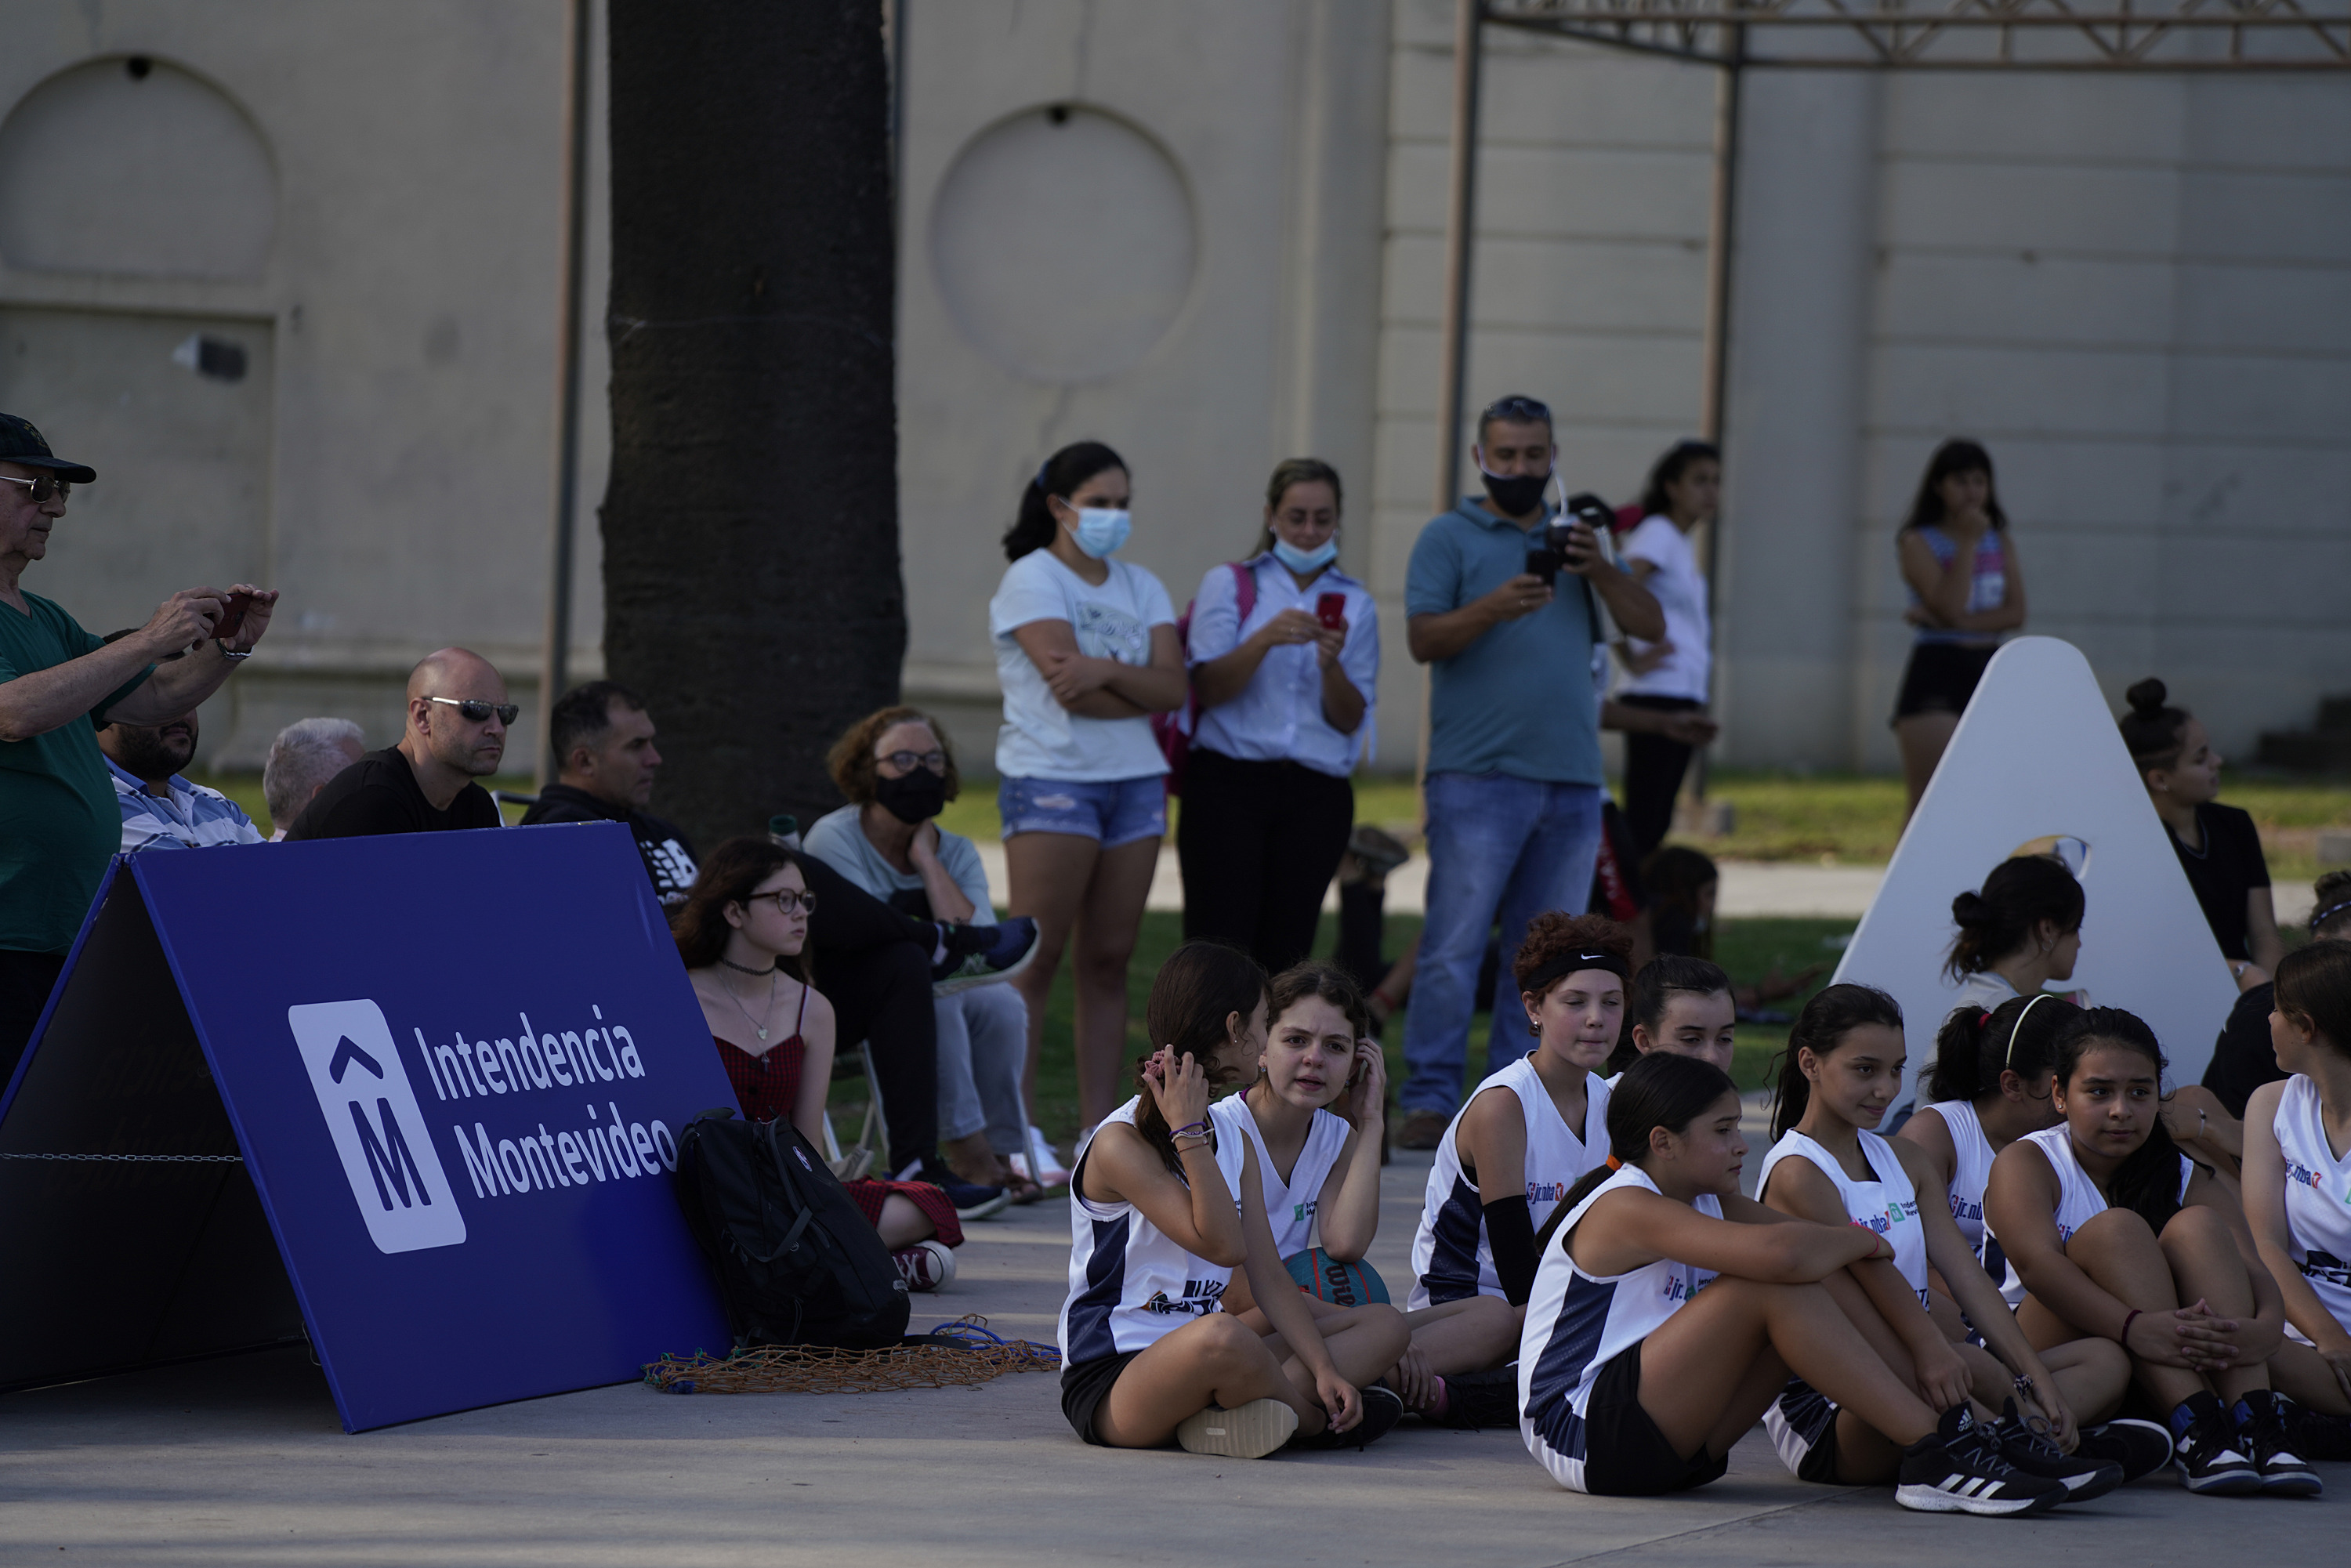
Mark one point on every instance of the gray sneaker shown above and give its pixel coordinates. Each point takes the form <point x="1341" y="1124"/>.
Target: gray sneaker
<point x="984" y="954"/>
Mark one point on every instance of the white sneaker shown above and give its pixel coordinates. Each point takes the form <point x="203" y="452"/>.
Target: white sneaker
<point x="1039" y="1164"/>
<point x="925" y="1266"/>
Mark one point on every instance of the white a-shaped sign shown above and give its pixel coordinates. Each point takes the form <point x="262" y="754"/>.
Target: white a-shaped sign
<point x="378" y="1127"/>
<point x="2038" y="755"/>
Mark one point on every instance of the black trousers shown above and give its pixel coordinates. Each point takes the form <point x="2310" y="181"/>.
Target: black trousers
<point x="873" y="965"/>
<point x="25" y="979"/>
<point x="1257" y="844"/>
<point x="1654" y="767"/>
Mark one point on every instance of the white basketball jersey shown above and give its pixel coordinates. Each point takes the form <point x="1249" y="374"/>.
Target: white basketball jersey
<point x="2079" y="1201"/>
<point x="1970" y="1170"/>
<point x="1288" y="1205"/>
<point x="2318" y="1198"/>
<point x="1577" y="1322"/>
<point x="1130" y="1285"/>
<point x="1452" y="1257"/>
<point x="1888" y="1205"/>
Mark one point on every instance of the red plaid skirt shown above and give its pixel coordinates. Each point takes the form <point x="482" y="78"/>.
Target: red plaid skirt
<point x="868" y="1197"/>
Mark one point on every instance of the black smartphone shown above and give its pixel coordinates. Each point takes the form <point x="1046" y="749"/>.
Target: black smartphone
<point x="1543" y="563"/>
<point x="232" y="619"/>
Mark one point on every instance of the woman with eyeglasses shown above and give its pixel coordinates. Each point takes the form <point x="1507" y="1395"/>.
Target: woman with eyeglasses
<point x="1285" y="656"/>
<point x="1967" y="587"/>
<point x="1086" y="652"/>
<point x="743" y="933"/>
<point x="898" y="771"/>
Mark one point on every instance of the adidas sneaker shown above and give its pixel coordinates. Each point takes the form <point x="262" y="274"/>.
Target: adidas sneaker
<point x="1249" y="1431"/>
<point x="2261" y="1430"/>
<point x="2082" y="1474"/>
<point x="2139" y="1448"/>
<point x="1958" y="1469"/>
<point x="2207" y="1451"/>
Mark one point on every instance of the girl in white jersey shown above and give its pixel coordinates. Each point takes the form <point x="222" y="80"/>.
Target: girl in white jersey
<point x="1668" y="1312"/>
<point x="1321" y="1173"/>
<point x="1155" y="1234"/>
<point x="1531" y="1129"/>
<point x="1842" y="1065"/>
<point x="2117" y="1235"/>
<point x="2298" y="1191"/>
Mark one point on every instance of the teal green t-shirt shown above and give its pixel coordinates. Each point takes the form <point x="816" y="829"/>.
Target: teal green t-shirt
<point x="59" y="820"/>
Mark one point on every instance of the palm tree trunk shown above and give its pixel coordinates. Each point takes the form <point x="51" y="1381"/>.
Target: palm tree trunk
<point x="752" y="593"/>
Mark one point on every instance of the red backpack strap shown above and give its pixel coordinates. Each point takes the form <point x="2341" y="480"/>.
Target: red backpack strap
<point x="1244" y="585"/>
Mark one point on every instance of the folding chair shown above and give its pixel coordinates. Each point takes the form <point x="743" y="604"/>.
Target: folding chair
<point x="872" y="1142"/>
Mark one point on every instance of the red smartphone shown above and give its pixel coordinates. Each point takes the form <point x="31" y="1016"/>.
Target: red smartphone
<point x="232" y="617"/>
<point x="1331" y="609"/>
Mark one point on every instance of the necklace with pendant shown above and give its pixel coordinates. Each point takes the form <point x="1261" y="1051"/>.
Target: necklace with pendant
<point x="730" y="988"/>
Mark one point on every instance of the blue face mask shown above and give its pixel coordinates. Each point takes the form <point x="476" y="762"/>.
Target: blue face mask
<point x="1298" y="560"/>
<point x="1101" y="530"/>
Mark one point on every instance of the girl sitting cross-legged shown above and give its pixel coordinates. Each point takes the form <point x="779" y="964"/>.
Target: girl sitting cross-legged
<point x="1162" y="1211"/>
<point x="1670" y="1311"/>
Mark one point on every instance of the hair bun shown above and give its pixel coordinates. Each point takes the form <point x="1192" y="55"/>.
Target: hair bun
<point x="2146" y="698"/>
<point x="1969" y="909"/>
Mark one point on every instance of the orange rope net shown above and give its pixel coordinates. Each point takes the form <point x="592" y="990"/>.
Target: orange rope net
<point x="979" y="1356"/>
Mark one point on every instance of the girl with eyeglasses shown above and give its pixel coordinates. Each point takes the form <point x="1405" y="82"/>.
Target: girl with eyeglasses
<point x="1164" y="1207"/>
<point x="743" y="933"/>
<point x="1086" y="652"/>
<point x="1841" y="1070"/>
<point x="2117" y="1235"/>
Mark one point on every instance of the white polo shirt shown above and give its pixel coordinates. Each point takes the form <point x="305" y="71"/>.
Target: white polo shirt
<point x="1277" y="716"/>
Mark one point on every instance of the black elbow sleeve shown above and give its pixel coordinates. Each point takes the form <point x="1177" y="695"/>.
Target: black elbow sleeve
<point x="1510" y="1232"/>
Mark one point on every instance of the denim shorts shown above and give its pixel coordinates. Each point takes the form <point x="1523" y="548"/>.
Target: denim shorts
<point x="1113" y="811"/>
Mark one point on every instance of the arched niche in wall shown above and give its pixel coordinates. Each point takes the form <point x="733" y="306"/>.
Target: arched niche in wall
<point x="134" y="167"/>
<point x="1063" y="242"/>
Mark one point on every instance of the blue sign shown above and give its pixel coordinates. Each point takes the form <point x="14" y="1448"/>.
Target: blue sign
<point x="454" y="1065"/>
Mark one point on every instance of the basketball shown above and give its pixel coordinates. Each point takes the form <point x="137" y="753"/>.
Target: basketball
<point x="1327" y="1279"/>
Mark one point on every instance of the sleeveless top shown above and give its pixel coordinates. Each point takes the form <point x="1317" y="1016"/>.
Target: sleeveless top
<point x="1888" y="1205"/>
<point x="2079" y="1201"/>
<point x="1989" y="587"/>
<point x="2318" y="1198"/>
<point x="1130" y="1284"/>
<point x="1288" y="1205"/>
<point x="1578" y="1322"/>
<point x="1452" y="1256"/>
<point x="766" y="1085"/>
<point x="1971" y="1169"/>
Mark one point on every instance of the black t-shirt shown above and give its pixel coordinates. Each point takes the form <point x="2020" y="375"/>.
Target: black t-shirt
<point x="669" y="858"/>
<point x="2244" y="1058"/>
<point x="378" y="794"/>
<point x="2227" y="867"/>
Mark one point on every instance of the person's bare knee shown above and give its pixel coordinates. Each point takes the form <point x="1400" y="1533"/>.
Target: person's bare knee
<point x="2115" y="1245"/>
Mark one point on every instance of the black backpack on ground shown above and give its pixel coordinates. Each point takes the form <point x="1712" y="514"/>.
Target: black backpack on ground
<point x="796" y="1262"/>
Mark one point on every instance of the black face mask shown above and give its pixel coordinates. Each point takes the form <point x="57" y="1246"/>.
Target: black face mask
<point x="1514" y="495"/>
<point x="916" y="798"/>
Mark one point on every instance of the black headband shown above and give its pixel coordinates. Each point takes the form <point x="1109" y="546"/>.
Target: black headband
<point x="1571" y="962"/>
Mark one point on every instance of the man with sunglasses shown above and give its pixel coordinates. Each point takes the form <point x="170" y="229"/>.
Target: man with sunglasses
<point x="457" y="719"/>
<point x="1514" y="782"/>
<point x="58" y="683"/>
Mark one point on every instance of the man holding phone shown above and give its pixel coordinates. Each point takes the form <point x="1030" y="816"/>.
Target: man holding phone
<point x="1513" y="786"/>
<point x="58" y="684"/>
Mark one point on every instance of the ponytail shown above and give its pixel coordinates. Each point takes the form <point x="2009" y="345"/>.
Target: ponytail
<point x="1975" y="1047"/>
<point x="2017" y="897"/>
<point x="1033" y="529"/>
<point x="1661" y="1090"/>
<point x="1193" y="998"/>
<point x="2147" y="1182"/>
<point x="1833" y="1012"/>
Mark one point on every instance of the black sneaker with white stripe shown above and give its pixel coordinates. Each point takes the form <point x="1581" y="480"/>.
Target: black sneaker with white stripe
<point x="2083" y="1475"/>
<point x="2261" y="1429"/>
<point x="1958" y="1469"/>
<point x="2139" y="1448"/>
<point x="2206" y="1449"/>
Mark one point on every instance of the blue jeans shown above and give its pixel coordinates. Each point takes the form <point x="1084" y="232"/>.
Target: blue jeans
<point x="1497" y="845"/>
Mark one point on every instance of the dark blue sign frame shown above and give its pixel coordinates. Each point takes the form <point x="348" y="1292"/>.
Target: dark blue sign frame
<point x="452" y="1067"/>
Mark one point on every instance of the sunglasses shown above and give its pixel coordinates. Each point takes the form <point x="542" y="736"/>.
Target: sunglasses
<point x="786" y="900"/>
<point x="478" y="712"/>
<point x="48" y="488"/>
<point x="1516" y="410"/>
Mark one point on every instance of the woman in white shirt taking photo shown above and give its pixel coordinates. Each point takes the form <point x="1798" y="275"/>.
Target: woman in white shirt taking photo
<point x="1086" y="652"/>
<point x="1684" y="490"/>
<point x="1285" y="655"/>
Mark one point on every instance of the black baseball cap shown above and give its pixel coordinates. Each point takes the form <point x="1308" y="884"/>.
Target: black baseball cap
<point x="21" y="443"/>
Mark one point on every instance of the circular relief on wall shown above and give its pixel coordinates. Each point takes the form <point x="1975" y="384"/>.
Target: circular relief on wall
<point x="1063" y="242"/>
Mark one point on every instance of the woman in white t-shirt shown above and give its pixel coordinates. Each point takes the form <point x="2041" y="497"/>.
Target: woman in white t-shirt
<point x="1086" y="652"/>
<point x="1669" y="676"/>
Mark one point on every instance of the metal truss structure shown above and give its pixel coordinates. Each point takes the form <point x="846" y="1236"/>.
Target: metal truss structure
<point x="2108" y="36"/>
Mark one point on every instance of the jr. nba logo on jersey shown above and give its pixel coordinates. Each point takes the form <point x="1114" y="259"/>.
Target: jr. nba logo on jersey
<point x="373" y="1115"/>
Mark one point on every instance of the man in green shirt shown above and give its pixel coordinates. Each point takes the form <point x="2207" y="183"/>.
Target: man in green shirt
<point x="58" y="683"/>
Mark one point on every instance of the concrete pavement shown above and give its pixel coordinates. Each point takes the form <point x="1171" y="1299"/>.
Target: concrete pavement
<point x="242" y="1461"/>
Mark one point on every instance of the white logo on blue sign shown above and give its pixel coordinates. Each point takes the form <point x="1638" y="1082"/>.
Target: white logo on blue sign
<point x="378" y="1127"/>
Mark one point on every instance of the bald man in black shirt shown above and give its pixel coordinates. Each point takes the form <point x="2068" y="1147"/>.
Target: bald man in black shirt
<point x="457" y="719"/>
